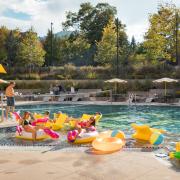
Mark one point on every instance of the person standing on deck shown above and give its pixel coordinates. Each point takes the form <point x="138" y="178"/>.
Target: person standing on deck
<point x="9" y="92"/>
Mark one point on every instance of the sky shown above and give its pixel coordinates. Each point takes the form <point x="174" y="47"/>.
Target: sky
<point x="40" y="13"/>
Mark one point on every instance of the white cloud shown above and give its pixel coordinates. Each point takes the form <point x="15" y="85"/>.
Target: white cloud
<point x="132" y="13"/>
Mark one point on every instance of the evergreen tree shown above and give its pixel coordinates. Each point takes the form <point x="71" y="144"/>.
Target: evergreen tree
<point x="3" y="51"/>
<point x="12" y="43"/>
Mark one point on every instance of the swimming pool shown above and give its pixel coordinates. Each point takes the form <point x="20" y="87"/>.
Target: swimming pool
<point x="121" y="116"/>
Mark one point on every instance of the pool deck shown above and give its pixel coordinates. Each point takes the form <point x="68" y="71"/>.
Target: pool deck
<point x="52" y="165"/>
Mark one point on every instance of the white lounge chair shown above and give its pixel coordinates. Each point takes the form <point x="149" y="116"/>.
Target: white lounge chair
<point x="62" y="98"/>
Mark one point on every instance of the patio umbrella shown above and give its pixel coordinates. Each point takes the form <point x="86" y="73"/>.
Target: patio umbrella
<point x="2" y="70"/>
<point x="165" y="81"/>
<point x="116" y="81"/>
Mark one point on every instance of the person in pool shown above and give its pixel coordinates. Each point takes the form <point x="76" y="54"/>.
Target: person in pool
<point x="79" y="119"/>
<point x="25" y="122"/>
<point x="84" y="126"/>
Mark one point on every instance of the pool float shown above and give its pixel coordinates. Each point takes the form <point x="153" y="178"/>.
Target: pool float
<point x="178" y="146"/>
<point x="21" y="134"/>
<point x="51" y="133"/>
<point x="86" y="117"/>
<point x="107" y="144"/>
<point x="41" y="134"/>
<point x="144" y="132"/>
<point x="58" y="124"/>
<point x="156" y="138"/>
<point x="84" y="137"/>
<point x="115" y="133"/>
<point x="177" y="153"/>
<point x="39" y="121"/>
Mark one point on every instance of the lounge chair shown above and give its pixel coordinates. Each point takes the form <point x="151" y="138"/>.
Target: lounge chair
<point x="151" y="98"/>
<point x="61" y="98"/>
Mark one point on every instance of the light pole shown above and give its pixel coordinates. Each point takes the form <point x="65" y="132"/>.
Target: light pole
<point x="177" y="39"/>
<point x="51" y="45"/>
<point x="117" y="51"/>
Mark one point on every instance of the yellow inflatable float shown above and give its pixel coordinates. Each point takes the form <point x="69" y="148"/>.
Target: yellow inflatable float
<point x="144" y="132"/>
<point x="109" y="141"/>
<point x="71" y="124"/>
<point x="87" y="137"/>
<point x="58" y="124"/>
<point x="108" y="144"/>
<point x="40" y="135"/>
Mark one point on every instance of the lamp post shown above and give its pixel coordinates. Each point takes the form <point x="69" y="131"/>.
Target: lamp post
<point x="117" y="51"/>
<point x="177" y="39"/>
<point x="51" y="45"/>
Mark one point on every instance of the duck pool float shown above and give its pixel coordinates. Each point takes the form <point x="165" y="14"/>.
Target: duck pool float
<point x="144" y="132"/>
<point x="176" y="154"/>
<point x="58" y="124"/>
<point x="85" y="117"/>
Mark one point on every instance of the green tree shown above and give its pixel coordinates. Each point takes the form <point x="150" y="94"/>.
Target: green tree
<point x="106" y="48"/>
<point x="3" y="51"/>
<point x="12" y="43"/>
<point x="48" y="42"/>
<point x="30" y="52"/>
<point x="90" y="20"/>
<point x="160" y="38"/>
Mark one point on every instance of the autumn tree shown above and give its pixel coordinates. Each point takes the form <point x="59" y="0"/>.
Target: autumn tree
<point x="30" y="52"/>
<point x="160" y="39"/>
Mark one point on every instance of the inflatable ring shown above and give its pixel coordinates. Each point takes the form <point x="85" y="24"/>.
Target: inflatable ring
<point x="86" y="137"/>
<point x="108" y="144"/>
<point x="28" y="136"/>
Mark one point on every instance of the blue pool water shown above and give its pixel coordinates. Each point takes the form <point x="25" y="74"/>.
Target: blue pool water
<point x="120" y="117"/>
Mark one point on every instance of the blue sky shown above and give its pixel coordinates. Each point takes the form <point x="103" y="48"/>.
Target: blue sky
<point x="40" y="13"/>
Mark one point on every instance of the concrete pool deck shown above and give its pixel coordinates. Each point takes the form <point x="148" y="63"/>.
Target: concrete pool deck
<point x="58" y="165"/>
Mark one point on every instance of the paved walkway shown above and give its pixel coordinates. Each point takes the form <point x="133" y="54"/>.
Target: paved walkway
<point x="15" y="165"/>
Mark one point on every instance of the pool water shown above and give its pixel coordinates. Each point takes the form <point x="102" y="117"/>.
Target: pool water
<point x="120" y="116"/>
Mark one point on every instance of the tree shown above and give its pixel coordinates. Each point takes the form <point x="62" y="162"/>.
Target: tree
<point x="160" y="40"/>
<point x="106" y="48"/>
<point x="50" y="38"/>
<point x="133" y="45"/>
<point x="30" y="52"/>
<point x="3" y="37"/>
<point x="12" y="43"/>
<point x="90" y="20"/>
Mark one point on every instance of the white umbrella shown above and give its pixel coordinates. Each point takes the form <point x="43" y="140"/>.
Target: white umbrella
<point x="165" y="81"/>
<point x="115" y="80"/>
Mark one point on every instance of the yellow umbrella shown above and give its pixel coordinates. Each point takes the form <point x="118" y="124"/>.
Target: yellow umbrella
<point x="165" y="81"/>
<point x="116" y="81"/>
<point x="2" y="70"/>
